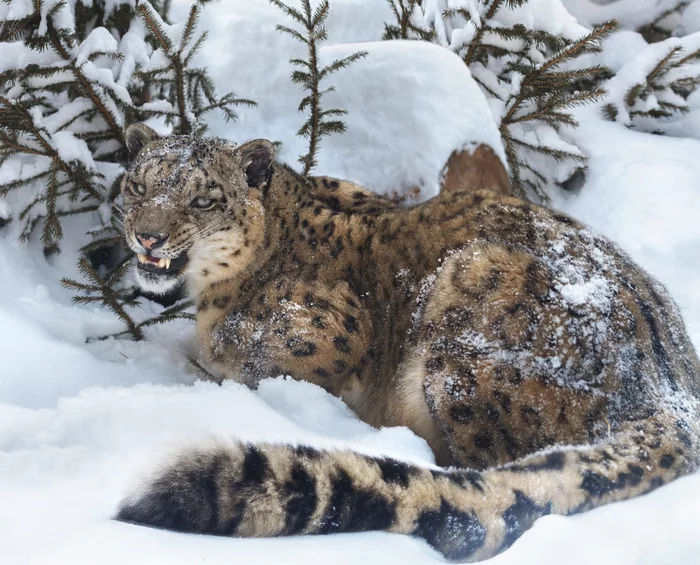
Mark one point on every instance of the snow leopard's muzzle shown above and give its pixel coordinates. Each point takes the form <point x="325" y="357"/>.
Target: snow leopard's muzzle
<point x="157" y="270"/>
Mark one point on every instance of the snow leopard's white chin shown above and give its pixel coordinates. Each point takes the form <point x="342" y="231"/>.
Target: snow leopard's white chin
<point x="157" y="283"/>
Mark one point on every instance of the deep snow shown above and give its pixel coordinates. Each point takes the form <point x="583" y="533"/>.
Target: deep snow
<point x="78" y="421"/>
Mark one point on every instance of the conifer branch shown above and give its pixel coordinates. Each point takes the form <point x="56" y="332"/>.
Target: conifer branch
<point x="62" y="41"/>
<point x="17" y="115"/>
<point x="203" y="373"/>
<point x="23" y="118"/>
<point x="494" y="7"/>
<point x="190" y="91"/>
<point x="107" y="296"/>
<point x="405" y="28"/>
<point x="103" y="290"/>
<point x="543" y="93"/>
<point x="653" y="32"/>
<point x="312" y="74"/>
<point x="71" y="94"/>
<point x="531" y="75"/>
<point x="16" y="123"/>
<point x="663" y="93"/>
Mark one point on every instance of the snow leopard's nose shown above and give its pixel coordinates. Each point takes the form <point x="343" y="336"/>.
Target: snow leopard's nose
<point x="152" y="241"/>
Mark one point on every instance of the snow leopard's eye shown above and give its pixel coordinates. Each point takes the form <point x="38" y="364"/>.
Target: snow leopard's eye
<point x="137" y="189"/>
<point x="203" y="203"/>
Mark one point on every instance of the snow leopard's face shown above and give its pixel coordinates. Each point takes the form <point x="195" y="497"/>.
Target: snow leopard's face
<point x="180" y="194"/>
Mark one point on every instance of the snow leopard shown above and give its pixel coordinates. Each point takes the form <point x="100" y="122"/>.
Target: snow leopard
<point x="548" y="373"/>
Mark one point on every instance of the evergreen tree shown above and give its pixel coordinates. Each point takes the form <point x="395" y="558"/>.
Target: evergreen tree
<point x="664" y="21"/>
<point x="63" y="108"/>
<point x="408" y="22"/>
<point x="532" y="80"/>
<point x="545" y="93"/>
<point x="189" y="91"/>
<point x="107" y="292"/>
<point x="657" y="102"/>
<point x="311" y="73"/>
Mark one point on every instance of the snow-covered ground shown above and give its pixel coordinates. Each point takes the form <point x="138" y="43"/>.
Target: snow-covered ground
<point x="79" y="421"/>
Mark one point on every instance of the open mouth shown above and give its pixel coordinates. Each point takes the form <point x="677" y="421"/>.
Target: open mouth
<point x="162" y="265"/>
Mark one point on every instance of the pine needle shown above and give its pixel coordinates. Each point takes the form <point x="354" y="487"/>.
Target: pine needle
<point x="313" y="33"/>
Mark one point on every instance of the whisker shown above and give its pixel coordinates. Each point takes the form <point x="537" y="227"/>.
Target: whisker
<point x="212" y="226"/>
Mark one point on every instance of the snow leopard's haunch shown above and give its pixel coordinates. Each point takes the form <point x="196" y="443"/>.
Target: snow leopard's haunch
<point x="493" y="328"/>
<point x="274" y="490"/>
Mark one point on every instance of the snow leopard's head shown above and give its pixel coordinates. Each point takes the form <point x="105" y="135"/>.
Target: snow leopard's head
<point x="187" y="202"/>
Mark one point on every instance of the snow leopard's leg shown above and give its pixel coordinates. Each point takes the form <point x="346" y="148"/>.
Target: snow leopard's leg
<point x="270" y="490"/>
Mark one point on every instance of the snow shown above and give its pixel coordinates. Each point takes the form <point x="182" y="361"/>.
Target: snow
<point x="79" y="422"/>
<point x="632" y="71"/>
<point x="70" y="147"/>
<point x="99" y="39"/>
<point x="16" y="56"/>
<point x="641" y="192"/>
<point x="633" y="14"/>
<point x="15" y="9"/>
<point x="385" y="94"/>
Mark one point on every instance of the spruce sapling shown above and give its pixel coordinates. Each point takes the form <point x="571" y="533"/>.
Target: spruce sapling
<point x="189" y="91"/>
<point x="311" y="74"/>
<point x="406" y="13"/>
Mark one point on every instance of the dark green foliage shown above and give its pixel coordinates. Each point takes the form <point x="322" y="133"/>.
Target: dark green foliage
<point x="669" y="82"/>
<point x="405" y="27"/>
<point x="19" y="134"/>
<point x="67" y="77"/>
<point x="545" y="95"/>
<point x="42" y="92"/>
<point x="107" y="292"/>
<point x="487" y="42"/>
<point x="658" y="29"/>
<point x="310" y="75"/>
<point x="66" y="116"/>
<point x="533" y="75"/>
<point x="190" y="91"/>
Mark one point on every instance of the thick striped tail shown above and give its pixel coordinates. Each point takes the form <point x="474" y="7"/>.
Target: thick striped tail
<point x="271" y="490"/>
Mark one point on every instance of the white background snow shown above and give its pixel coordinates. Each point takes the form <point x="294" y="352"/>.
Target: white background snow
<point x="79" y="421"/>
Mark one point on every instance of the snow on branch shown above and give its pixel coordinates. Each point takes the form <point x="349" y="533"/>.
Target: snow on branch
<point x="651" y="90"/>
<point x="60" y="179"/>
<point x="530" y="76"/>
<point x="187" y="93"/>
<point x="655" y="20"/>
<point x="61" y="108"/>
<point x="72" y="75"/>
<point x="409" y="22"/>
<point x="545" y="95"/>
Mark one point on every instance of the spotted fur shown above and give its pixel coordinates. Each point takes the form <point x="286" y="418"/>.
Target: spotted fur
<point x="533" y="355"/>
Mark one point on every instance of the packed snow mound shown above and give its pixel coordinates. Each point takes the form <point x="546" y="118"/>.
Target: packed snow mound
<point x="410" y="104"/>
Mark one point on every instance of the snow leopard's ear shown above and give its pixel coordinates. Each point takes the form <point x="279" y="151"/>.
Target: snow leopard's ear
<point x="256" y="161"/>
<point x="137" y="136"/>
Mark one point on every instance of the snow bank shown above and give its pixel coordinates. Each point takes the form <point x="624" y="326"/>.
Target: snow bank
<point x="409" y="104"/>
